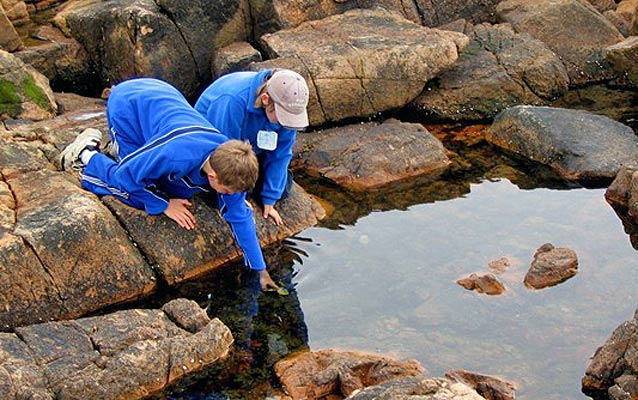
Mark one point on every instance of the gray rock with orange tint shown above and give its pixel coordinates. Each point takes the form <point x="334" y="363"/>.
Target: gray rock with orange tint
<point x="551" y="266"/>
<point x="622" y="58"/>
<point x="486" y="283"/>
<point x="174" y="40"/>
<point x="573" y="29"/>
<point x="363" y="62"/>
<point x="611" y="373"/>
<point x="498" y="69"/>
<point x="128" y="354"/>
<point x="623" y="191"/>
<point x="365" y="156"/>
<point x="575" y="143"/>
<point x="490" y="387"/>
<point x="25" y="92"/>
<point x="418" y="388"/>
<point x="316" y="374"/>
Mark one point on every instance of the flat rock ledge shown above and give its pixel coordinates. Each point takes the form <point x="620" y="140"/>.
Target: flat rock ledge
<point x="369" y="155"/>
<point x="125" y="355"/>
<point x="611" y="374"/>
<point x="64" y="252"/>
<point x="576" y="144"/>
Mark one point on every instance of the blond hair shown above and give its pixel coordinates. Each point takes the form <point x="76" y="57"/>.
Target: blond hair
<point x="235" y="164"/>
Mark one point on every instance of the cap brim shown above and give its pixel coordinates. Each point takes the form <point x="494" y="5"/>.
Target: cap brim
<point x="290" y="120"/>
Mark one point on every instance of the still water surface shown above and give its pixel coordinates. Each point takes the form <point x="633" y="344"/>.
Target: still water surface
<point x="386" y="283"/>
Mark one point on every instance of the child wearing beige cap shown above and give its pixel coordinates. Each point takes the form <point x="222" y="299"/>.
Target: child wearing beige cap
<point x="267" y="108"/>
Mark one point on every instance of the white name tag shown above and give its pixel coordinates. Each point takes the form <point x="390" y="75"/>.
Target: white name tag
<point x="267" y="140"/>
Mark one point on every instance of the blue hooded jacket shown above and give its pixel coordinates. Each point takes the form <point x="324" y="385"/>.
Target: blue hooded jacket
<point x="163" y="144"/>
<point x="229" y="105"/>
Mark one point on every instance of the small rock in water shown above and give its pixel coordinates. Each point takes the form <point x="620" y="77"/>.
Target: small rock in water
<point x="551" y="266"/>
<point x="487" y="284"/>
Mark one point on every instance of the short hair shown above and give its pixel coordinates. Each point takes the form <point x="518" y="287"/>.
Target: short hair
<point x="235" y="164"/>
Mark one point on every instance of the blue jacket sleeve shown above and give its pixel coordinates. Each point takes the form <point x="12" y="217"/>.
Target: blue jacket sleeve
<point x="275" y="166"/>
<point x="235" y="211"/>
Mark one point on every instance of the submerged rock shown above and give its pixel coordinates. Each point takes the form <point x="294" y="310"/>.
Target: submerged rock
<point x="313" y="375"/>
<point x="551" y="266"/>
<point x="488" y="284"/>
<point x="128" y="354"/>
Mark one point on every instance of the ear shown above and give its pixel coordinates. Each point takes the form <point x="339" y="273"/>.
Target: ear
<point x="265" y="99"/>
<point x="212" y="174"/>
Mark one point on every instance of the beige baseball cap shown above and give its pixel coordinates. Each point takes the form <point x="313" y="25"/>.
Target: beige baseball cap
<point x="289" y="91"/>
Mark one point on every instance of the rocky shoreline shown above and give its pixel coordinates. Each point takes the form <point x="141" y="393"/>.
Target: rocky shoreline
<point x="66" y="253"/>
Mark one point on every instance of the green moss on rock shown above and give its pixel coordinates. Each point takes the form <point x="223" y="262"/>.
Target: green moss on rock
<point x="9" y="98"/>
<point x="35" y="93"/>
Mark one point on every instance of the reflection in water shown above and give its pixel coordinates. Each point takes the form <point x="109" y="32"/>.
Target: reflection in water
<point x="387" y="284"/>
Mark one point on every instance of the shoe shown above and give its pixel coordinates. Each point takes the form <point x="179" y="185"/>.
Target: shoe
<point x="111" y="149"/>
<point x="89" y="139"/>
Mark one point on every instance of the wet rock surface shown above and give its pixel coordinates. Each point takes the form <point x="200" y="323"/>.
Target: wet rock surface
<point x="312" y="375"/>
<point x="416" y="388"/>
<point x="364" y="156"/>
<point x="577" y="144"/>
<point x="611" y="372"/>
<point x="551" y="266"/>
<point x="128" y="354"/>
<point x="490" y="387"/>
<point x="486" y="283"/>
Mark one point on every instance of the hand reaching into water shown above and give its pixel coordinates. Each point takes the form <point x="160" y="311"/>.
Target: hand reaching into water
<point x="178" y="211"/>
<point x="266" y="281"/>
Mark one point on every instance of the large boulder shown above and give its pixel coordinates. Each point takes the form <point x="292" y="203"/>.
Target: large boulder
<point x="622" y="59"/>
<point x="179" y="254"/>
<point x="62" y="60"/>
<point x="128" y="354"/>
<point x="16" y="10"/>
<point x="498" y="69"/>
<point x="573" y="29"/>
<point x="163" y="38"/>
<point x="275" y="15"/>
<point x="9" y="39"/>
<point x="365" y="156"/>
<point x="623" y="191"/>
<point x="575" y="143"/>
<point x="64" y="254"/>
<point x="363" y="61"/>
<point x="611" y="373"/>
<point x="439" y="12"/>
<point x="24" y="92"/>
